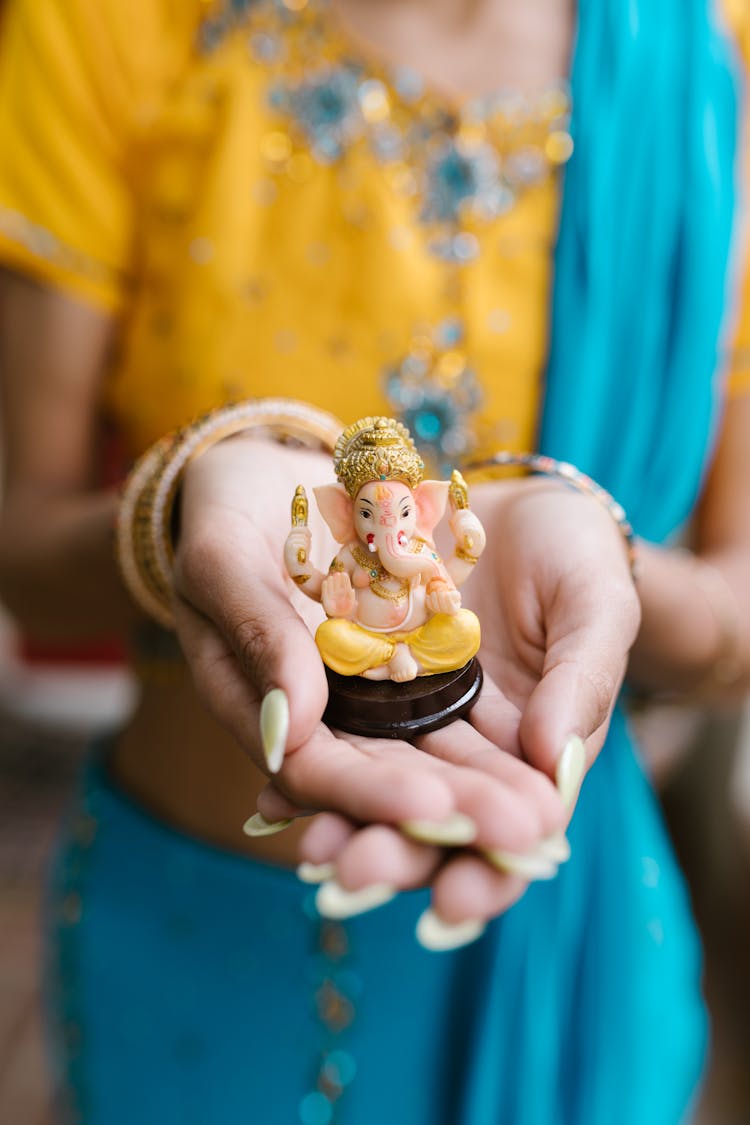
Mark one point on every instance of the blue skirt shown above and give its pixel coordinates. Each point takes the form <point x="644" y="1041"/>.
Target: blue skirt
<point x="190" y="986"/>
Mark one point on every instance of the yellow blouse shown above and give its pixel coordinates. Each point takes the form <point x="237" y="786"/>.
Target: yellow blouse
<point x="272" y="213"/>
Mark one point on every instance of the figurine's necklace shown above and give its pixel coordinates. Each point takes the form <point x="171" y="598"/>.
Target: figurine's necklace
<point x="378" y="574"/>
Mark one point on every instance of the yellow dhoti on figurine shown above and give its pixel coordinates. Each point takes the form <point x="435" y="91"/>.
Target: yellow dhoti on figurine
<point x="444" y="643"/>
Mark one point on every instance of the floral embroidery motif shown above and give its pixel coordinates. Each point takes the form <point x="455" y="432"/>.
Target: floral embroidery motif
<point x="473" y="161"/>
<point x="471" y="164"/>
<point x="456" y="174"/>
<point x="326" y="110"/>
<point x="436" y="393"/>
<point x="337" y="986"/>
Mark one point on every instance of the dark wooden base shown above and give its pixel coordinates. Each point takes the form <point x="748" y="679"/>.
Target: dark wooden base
<point x="382" y="709"/>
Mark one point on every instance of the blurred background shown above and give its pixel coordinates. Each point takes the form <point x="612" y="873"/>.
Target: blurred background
<point x="52" y="703"/>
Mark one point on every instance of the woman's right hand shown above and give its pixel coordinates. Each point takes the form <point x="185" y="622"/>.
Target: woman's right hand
<point x="240" y="623"/>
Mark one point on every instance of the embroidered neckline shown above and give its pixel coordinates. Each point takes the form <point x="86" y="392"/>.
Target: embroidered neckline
<point x="461" y="164"/>
<point x="480" y="150"/>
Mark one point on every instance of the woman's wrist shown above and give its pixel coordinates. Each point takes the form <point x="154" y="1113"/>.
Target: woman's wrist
<point x="692" y="638"/>
<point x="145" y="548"/>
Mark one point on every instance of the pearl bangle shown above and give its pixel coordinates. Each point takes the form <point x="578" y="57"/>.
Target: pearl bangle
<point x="570" y="475"/>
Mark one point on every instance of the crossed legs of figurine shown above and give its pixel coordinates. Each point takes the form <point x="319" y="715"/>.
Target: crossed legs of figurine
<point x="445" y="642"/>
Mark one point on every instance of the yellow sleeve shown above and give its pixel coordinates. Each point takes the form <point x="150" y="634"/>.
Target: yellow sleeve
<point x="739" y="358"/>
<point x="77" y="81"/>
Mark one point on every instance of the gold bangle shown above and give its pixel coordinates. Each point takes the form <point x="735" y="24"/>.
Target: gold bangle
<point x="466" y="556"/>
<point x="132" y="543"/>
<point x="145" y="551"/>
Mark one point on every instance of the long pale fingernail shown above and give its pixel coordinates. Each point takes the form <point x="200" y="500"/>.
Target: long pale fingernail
<point x="529" y="866"/>
<point x="457" y="829"/>
<point x="332" y="901"/>
<point x="569" y="771"/>
<point x="554" y="847"/>
<point x="315" y="872"/>
<point x="257" y="825"/>
<point x="439" y="936"/>
<point x="274" y="727"/>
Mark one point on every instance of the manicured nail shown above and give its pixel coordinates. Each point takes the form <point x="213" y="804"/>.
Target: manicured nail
<point x="439" y="936"/>
<point x="530" y="866"/>
<point x="274" y="727"/>
<point x="457" y="829"/>
<point x="257" y="825"/>
<point x="554" y="847"/>
<point x="332" y="901"/>
<point x="315" y="872"/>
<point x="569" y="771"/>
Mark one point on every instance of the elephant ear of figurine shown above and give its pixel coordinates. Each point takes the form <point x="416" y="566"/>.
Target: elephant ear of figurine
<point x="430" y="497"/>
<point x="337" y="509"/>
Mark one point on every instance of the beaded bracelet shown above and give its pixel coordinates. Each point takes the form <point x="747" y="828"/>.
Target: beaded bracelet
<point x="570" y="475"/>
<point x="145" y="551"/>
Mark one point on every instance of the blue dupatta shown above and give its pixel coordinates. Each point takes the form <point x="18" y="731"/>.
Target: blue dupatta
<point x="606" y="955"/>
<point x="641" y="266"/>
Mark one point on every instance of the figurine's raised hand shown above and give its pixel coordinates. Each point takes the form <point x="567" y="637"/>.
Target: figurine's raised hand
<point x="297" y="551"/>
<point x="468" y="532"/>
<point x="337" y="595"/>
<point x="442" y="598"/>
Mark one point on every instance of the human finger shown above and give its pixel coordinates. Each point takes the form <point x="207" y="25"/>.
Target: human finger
<point x="274" y="805"/>
<point x="590" y="637"/>
<point x="462" y="745"/>
<point x="326" y="772"/>
<point x="367" y="869"/>
<point x="468" y="888"/>
<point x="381" y="854"/>
<point x="227" y="574"/>
<point x="322" y="841"/>
<point x="351" y="777"/>
<point x="496" y="717"/>
<point x="501" y="817"/>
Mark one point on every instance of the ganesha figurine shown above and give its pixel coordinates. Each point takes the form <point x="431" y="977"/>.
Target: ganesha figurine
<point x="399" y="648"/>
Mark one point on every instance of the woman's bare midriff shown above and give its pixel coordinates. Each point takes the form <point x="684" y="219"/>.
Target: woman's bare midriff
<point x="180" y="765"/>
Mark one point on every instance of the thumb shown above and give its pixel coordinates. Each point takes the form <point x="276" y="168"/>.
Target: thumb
<point x="565" y="720"/>
<point x="237" y="587"/>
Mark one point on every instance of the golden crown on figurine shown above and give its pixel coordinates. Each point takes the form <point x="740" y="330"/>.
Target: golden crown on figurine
<point x="376" y="449"/>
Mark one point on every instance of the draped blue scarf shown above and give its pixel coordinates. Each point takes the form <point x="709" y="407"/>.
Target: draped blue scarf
<point x="589" y="996"/>
<point x="643" y="252"/>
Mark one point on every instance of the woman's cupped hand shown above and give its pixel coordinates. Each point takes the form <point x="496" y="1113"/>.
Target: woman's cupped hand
<point x="475" y="810"/>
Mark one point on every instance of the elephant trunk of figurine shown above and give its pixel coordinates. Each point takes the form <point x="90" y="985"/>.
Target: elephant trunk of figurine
<point x="399" y="561"/>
